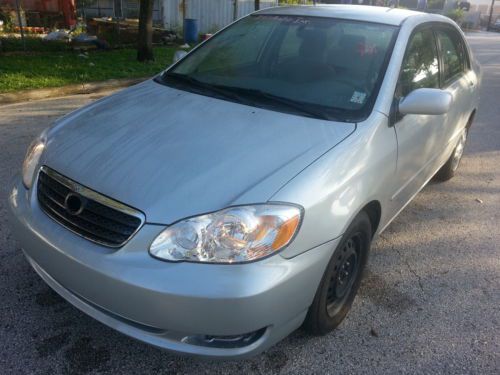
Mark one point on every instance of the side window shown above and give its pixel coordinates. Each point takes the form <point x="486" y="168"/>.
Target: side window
<point x="420" y="68"/>
<point x="452" y="52"/>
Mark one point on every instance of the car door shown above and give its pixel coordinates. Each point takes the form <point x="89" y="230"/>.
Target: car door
<point x="419" y="137"/>
<point x="458" y="79"/>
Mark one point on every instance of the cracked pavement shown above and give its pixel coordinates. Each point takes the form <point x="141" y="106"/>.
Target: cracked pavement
<point x="429" y="302"/>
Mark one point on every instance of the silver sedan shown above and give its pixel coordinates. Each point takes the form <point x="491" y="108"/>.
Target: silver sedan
<point x="233" y="198"/>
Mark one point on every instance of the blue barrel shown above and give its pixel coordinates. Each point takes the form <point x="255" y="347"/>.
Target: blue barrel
<point x="190" y="30"/>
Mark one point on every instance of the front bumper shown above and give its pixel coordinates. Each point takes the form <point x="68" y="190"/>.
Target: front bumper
<point x="165" y="304"/>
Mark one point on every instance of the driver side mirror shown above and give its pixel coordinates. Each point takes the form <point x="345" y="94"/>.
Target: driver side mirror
<point x="425" y="102"/>
<point x="179" y="55"/>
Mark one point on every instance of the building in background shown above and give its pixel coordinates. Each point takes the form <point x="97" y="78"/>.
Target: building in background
<point x="483" y="7"/>
<point x="43" y="13"/>
<point x="212" y="15"/>
<point x="118" y="9"/>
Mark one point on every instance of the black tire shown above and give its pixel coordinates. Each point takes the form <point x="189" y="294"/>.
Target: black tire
<point x="449" y="169"/>
<point x="336" y="291"/>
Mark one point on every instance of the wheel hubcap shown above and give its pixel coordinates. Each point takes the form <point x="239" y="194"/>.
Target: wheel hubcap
<point x="459" y="151"/>
<point x="345" y="272"/>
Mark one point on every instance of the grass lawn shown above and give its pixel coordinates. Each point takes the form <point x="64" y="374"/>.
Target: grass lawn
<point x="52" y="69"/>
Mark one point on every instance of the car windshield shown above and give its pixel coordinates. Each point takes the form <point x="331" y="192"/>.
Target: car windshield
<point x="318" y="67"/>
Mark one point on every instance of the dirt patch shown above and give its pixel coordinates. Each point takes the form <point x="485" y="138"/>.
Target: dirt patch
<point x="53" y="344"/>
<point x="83" y="357"/>
<point x="378" y="291"/>
<point x="48" y="298"/>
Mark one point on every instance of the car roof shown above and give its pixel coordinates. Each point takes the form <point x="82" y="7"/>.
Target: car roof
<point x="389" y="16"/>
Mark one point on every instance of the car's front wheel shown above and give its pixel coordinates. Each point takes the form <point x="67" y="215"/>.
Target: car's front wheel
<point x="341" y="279"/>
<point x="449" y="169"/>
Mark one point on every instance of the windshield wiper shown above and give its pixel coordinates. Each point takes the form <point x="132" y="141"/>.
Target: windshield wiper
<point x="245" y="95"/>
<point x="275" y="99"/>
<point x="204" y="86"/>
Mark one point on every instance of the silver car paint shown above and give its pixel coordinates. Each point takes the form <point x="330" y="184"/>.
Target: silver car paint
<point x="332" y="173"/>
<point x="389" y="165"/>
<point x="157" y="132"/>
<point x="426" y="102"/>
<point x="121" y="287"/>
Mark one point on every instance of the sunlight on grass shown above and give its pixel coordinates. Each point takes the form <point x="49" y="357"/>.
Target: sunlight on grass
<point x="20" y="72"/>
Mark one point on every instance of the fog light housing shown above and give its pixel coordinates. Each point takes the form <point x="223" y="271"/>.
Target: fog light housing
<point x="225" y="341"/>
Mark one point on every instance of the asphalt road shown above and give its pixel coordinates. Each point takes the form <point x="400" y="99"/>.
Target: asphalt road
<point x="430" y="302"/>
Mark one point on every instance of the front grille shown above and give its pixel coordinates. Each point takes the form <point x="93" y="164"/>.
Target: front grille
<point x="85" y="212"/>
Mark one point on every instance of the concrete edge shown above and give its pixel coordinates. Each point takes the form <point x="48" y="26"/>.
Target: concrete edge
<point x="52" y="92"/>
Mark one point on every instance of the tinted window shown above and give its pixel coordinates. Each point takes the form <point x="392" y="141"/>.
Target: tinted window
<point x="230" y="54"/>
<point x="420" y="67"/>
<point x="452" y="52"/>
<point x="326" y="65"/>
<point x="289" y="46"/>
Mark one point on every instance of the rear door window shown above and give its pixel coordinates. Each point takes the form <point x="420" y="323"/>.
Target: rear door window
<point x="452" y="52"/>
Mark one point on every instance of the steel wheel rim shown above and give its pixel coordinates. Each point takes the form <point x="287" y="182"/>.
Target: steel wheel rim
<point x="459" y="151"/>
<point x="345" y="271"/>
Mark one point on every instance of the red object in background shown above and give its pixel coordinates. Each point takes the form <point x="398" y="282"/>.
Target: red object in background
<point x="69" y="11"/>
<point x="366" y="49"/>
<point x="33" y="30"/>
<point x="65" y="7"/>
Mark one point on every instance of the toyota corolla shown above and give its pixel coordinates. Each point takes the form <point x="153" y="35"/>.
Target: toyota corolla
<point x="216" y="208"/>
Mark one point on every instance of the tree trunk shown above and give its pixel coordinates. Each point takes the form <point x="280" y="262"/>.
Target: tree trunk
<point x="145" y="41"/>
<point x="235" y="10"/>
<point x="257" y="4"/>
<point x="488" y="26"/>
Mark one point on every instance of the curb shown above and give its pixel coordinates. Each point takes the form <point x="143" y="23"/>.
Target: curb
<point x="85" y="88"/>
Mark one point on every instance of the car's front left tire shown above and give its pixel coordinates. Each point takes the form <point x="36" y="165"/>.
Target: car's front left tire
<point x="449" y="169"/>
<point x="342" y="278"/>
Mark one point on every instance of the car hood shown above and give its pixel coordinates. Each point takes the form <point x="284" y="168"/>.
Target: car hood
<point x="174" y="154"/>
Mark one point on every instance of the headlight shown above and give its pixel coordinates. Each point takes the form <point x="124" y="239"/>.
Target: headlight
<point x="236" y="234"/>
<point x="31" y="160"/>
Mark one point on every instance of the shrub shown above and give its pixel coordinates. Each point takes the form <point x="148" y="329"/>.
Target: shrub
<point x="435" y="4"/>
<point x="7" y="21"/>
<point x="33" y="44"/>
<point x="456" y="15"/>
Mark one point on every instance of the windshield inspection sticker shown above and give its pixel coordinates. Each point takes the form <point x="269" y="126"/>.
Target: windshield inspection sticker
<point x="358" y="97"/>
